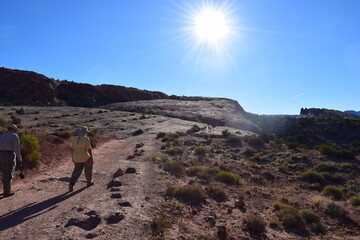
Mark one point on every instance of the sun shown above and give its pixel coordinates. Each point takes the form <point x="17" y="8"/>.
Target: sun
<point x="211" y="25"/>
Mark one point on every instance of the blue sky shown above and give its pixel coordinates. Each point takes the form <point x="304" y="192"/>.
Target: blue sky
<point x="280" y="55"/>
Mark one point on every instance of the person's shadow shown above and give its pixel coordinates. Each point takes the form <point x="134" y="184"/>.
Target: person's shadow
<point x="32" y="210"/>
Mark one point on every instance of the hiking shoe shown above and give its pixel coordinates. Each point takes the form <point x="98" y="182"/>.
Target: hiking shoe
<point x="90" y="184"/>
<point x="71" y="187"/>
<point x="8" y="194"/>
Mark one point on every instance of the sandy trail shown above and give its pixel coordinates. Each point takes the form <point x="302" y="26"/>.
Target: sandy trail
<point x="42" y="207"/>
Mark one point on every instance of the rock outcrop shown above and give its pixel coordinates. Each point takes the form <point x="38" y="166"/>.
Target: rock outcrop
<point x="322" y="113"/>
<point x="19" y="87"/>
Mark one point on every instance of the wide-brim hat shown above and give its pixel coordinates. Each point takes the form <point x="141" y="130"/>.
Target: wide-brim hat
<point x="12" y="126"/>
<point x="83" y="130"/>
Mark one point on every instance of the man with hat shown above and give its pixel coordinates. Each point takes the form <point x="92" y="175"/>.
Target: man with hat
<point x="9" y="151"/>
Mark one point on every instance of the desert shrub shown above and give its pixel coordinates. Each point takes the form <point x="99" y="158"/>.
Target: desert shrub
<point x="212" y="170"/>
<point x="309" y="216"/>
<point x="171" y="191"/>
<point x="191" y="194"/>
<point x="256" y="142"/>
<point x="225" y="133"/>
<point x="333" y="178"/>
<point x="20" y="111"/>
<point x="290" y="217"/>
<point x="249" y="152"/>
<point x="292" y="145"/>
<point x="346" y="154"/>
<point x="327" y="150"/>
<point x="154" y="158"/>
<point x="93" y="137"/>
<point x="193" y="129"/>
<point x="174" y="151"/>
<point x="63" y="134"/>
<point x="159" y="224"/>
<point x="175" y="168"/>
<point x="227" y="177"/>
<point x="313" y="177"/>
<point x="337" y="211"/>
<point x="336" y="193"/>
<point x="326" y="167"/>
<point x="2" y="122"/>
<point x="29" y="149"/>
<point x="234" y="140"/>
<point x="255" y="223"/>
<point x="218" y="194"/>
<point x="15" y="120"/>
<point x="200" y="150"/>
<point x="193" y="171"/>
<point x="160" y="135"/>
<point x="355" y="201"/>
<point x="349" y="167"/>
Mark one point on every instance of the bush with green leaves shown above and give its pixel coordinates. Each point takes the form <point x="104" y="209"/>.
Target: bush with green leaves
<point x="20" y="111"/>
<point x="290" y="217"/>
<point x="174" y="151"/>
<point x="337" y="211"/>
<point x="256" y="142"/>
<point x="159" y="224"/>
<point x="255" y="223"/>
<point x="227" y="177"/>
<point x="218" y="194"/>
<point x="309" y="216"/>
<point x="313" y="177"/>
<point x="355" y="201"/>
<point x="327" y="150"/>
<point x="29" y="149"/>
<point x="2" y="122"/>
<point x="234" y="141"/>
<point x="193" y="129"/>
<point x="225" y="133"/>
<point x="175" y="168"/>
<point x="193" y="171"/>
<point x="200" y="151"/>
<point x="189" y="194"/>
<point x="346" y="154"/>
<point x="336" y="193"/>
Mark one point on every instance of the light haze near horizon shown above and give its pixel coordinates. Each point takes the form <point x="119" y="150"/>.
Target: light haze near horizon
<point x="280" y="55"/>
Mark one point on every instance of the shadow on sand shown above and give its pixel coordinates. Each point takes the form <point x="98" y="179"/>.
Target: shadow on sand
<point x="32" y="210"/>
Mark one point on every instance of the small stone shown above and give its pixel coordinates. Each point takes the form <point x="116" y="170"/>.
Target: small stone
<point x="211" y="220"/>
<point x="139" y="145"/>
<point x="91" y="235"/>
<point x="130" y="170"/>
<point x="239" y="204"/>
<point x="115" y="217"/>
<point x="116" y="195"/>
<point x="229" y="210"/>
<point x="118" y="173"/>
<point x="147" y="198"/>
<point x="125" y="204"/>
<point x="114" y="183"/>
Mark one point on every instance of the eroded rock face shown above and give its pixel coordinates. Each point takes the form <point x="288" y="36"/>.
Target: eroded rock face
<point x="29" y="88"/>
<point x="26" y="88"/>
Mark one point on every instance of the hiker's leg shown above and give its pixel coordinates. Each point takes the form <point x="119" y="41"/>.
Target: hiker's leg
<point x="88" y="170"/>
<point x="78" y="167"/>
<point x="8" y="167"/>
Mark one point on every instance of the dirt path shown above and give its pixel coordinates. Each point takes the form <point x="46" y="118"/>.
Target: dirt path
<point x="43" y="209"/>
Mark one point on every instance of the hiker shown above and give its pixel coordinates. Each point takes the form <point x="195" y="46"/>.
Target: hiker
<point x="9" y="156"/>
<point x="82" y="157"/>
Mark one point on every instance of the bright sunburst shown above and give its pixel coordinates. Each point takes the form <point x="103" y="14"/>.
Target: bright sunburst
<point x="211" y="25"/>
